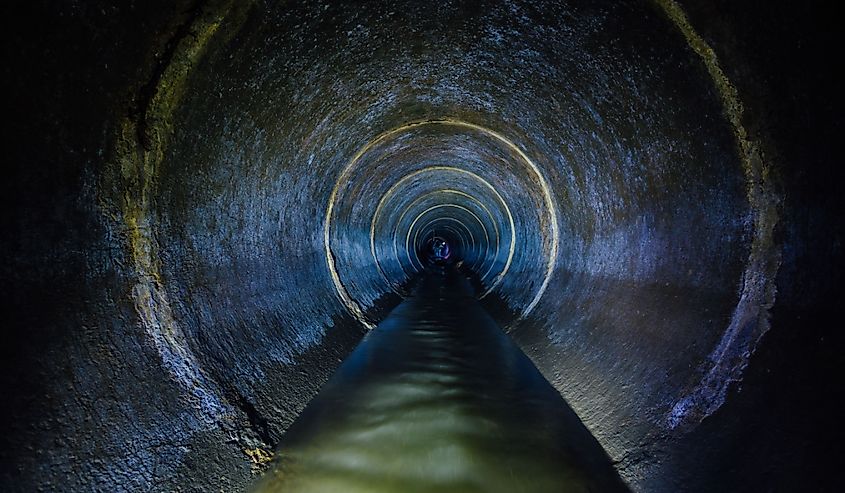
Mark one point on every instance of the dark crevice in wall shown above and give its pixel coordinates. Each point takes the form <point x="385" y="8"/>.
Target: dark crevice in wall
<point x="141" y="101"/>
<point x="257" y="421"/>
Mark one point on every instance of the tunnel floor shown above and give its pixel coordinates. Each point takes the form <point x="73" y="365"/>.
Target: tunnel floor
<point x="438" y="398"/>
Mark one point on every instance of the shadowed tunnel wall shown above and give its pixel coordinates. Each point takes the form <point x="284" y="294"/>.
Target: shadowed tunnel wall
<point x="211" y="202"/>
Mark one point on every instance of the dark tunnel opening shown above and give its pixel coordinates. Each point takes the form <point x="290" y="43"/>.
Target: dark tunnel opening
<point x="211" y="205"/>
<point x="438" y="249"/>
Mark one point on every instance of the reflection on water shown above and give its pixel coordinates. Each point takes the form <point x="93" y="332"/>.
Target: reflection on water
<point x="437" y="399"/>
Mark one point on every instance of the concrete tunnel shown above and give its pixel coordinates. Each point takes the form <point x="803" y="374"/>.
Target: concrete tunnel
<point x="208" y="204"/>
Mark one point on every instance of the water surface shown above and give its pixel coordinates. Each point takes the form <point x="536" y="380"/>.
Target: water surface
<point x="438" y="399"/>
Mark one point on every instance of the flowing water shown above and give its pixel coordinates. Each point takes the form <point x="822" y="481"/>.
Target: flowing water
<point x="438" y="399"/>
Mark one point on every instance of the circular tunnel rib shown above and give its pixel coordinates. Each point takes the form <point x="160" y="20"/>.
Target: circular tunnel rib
<point x="427" y="157"/>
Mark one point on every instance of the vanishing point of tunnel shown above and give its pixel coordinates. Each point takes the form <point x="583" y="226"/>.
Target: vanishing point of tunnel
<point x="412" y="246"/>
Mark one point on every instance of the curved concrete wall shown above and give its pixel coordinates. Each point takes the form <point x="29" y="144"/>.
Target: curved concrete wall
<point x="258" y="179"/>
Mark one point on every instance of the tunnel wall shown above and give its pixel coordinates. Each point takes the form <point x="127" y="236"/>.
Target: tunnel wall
<point x="172" y="303"/>
<point x="108" y="388"/>
<point x="655" y="228"/>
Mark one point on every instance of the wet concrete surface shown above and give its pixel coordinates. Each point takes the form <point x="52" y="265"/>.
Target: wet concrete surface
<point x="438" y="398"/>
<point x="169" y="308"/>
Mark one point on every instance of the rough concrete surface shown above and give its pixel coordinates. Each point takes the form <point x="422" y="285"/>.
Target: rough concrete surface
<point x="207" y="203"/>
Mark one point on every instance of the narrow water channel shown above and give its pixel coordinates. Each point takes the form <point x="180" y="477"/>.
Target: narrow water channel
<point x="438" y="399"/>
